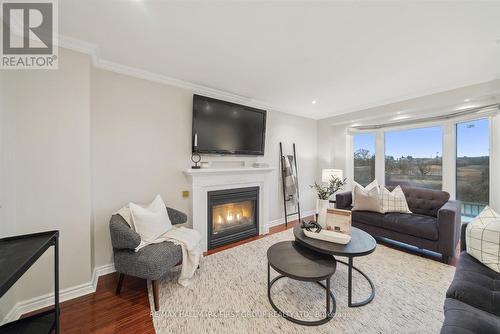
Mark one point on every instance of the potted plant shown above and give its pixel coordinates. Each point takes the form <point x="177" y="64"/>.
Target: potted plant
<point x="324" y="191"/>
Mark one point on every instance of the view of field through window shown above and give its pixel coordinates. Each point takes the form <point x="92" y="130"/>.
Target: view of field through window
<point x="473" y="166"/>
<point x="364" y="158"/>
<point x="414" y="158"/>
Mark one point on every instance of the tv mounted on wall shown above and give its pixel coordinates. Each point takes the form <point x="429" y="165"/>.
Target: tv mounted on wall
<point x="221" y="127"/>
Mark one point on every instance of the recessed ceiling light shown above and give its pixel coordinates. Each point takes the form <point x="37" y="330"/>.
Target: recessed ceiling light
<point x="313" y="102"/>
<point x="467" y="100"/>
<point x="399" y="113"/>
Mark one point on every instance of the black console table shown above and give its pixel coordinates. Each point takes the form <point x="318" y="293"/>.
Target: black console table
<point x="17" y="255"/>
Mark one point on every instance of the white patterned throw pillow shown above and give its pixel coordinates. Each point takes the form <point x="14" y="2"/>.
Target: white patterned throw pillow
<point x="393" y="201"/>
<point x="483" y="238"/>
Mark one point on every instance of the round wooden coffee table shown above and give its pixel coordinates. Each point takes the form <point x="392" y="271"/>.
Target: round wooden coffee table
<point x="361" y="244"/>
<point x="297" y="262"/>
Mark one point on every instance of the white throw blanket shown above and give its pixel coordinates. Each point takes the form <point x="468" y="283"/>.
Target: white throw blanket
<point x="187" y="238"/>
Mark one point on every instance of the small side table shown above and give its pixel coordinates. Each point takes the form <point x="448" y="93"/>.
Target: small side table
<point x="294" y="261"/>
<point x="17" y="255"/>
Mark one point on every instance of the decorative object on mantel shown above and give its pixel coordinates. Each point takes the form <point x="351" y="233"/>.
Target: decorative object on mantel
<point x="195" y="156"/>
<point x="324" y="192"/>
<point x="290" y="182"/>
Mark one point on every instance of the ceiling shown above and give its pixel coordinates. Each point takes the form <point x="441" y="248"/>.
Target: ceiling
<point x="346" y="56"/>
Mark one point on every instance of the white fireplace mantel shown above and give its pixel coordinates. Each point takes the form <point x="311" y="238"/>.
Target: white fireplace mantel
<point x="211" y="179"/>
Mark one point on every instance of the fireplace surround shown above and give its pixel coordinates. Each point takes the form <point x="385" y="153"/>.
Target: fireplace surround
<point x="206" y="180"/>
<point x="233" y="215"/>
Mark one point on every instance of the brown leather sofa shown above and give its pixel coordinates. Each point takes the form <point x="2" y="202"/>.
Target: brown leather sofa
<point x="434" y="223"/>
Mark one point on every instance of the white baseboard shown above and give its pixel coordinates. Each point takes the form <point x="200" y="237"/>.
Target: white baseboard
<point x="46" y="300"/>
<point x="293" y="217"/>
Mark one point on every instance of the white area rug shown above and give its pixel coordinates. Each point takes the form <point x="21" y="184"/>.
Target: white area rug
<point x="229" y="295"/>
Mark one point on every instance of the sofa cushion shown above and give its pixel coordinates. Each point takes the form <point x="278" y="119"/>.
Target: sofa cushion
<point x="366" y="200"/>
<point x="476" y="284"/>
<point x="393" y="201"/>
<point x="461" y="318"/>
<point x="416" y="225"/>
<point x="425" y="201"/>
<point x="370" y="186"/>
<point x="368" y="218"/>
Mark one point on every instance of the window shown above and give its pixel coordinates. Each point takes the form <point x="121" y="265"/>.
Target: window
<point x="414" y="158"/>
<point x="473" y="166"/>
<point x="364" y="158"/>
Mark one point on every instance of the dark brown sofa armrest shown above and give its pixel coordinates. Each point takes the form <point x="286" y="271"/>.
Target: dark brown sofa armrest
<point x="344" y="200"/>
<point x="449" y="221"/>
<point x="463" y="245"/>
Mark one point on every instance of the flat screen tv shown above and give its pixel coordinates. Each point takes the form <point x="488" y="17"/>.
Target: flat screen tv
<point x="221" y="127"/>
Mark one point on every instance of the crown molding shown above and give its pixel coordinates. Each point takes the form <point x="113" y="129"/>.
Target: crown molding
<point x="79" y="46"/>
<point x="93" y="51"/>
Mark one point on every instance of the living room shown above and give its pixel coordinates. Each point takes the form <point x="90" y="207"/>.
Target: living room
<point x="275" y="118"/>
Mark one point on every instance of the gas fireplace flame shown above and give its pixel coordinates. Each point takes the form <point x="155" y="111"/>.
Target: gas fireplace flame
<point x="226" y="215"/>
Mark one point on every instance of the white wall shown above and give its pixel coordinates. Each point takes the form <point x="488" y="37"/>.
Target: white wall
<point x="141" y="141"/>
<point x="51" y="145"/>
<point x="7" y="171"/>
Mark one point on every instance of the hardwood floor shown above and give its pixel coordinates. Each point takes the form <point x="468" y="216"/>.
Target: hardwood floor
<point x="105" y="312"/>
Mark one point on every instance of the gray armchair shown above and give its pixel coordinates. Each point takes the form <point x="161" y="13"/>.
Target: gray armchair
<point x="150" y="262"/>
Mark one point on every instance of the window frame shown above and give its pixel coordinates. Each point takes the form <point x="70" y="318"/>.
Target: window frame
<point x="375" y="134"/>
<point x="449" y="143"/>
<point x="490" y="143"/>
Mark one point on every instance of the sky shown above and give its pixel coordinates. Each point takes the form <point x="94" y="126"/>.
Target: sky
<point x="472" y="141"/>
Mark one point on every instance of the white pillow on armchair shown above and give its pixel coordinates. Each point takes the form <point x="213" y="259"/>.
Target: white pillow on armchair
<point x="150" y="221"/>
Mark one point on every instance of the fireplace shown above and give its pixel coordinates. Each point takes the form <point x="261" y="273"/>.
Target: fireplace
<point x="233" y="215"/>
